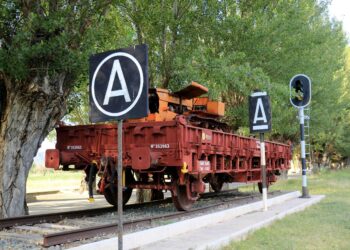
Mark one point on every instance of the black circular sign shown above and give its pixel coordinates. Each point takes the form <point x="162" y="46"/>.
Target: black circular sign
<point x="117" y="84"/>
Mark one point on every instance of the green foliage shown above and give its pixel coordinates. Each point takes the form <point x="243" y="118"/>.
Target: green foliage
<point x="232" y="47"/>
<point x="285" y="38"/>
<point x="47" y="38"/>
<point x="187" y="43"/>
<point x="40" y="37"/>
<point x="342" y="142"/>
<point x="111" y="32"/>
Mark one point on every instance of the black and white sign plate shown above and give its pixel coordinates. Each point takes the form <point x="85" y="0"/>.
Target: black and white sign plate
<point x="119" y="84"/>
<point x="259" y="112"/>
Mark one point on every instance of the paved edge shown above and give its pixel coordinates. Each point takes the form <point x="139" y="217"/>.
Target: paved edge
<point x="148" y="236"/>
<point x="242" y="234"/>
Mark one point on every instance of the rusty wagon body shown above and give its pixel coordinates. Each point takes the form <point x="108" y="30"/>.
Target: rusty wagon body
<point x="167" y="152"/>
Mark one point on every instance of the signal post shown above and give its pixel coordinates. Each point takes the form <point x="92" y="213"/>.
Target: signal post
<point x="300" y="97"/>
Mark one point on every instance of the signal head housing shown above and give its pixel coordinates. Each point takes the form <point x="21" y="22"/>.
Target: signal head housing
<point x="300" y="91"/>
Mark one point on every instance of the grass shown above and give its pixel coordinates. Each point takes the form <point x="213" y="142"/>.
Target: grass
<point x="40" y="179"/>
<point x="322" y="226"/>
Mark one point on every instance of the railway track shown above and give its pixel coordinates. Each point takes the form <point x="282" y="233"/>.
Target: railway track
<point x="74" y="235"/>
<point x="70" y="234"/>
<point x="54" y="217"/>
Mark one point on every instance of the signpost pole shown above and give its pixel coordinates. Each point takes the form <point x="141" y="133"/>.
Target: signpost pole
<point x="128" y="69"/>
<point x="263" y="170"/>
<point x="305" y="191"/>
<point x="260" y="121"/>
<point x="120" y="184"/>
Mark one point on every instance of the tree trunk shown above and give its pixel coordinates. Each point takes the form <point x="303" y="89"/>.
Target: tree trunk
<point x="27" y="117"/>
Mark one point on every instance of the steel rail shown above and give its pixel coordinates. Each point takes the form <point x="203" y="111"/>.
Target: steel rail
<point x="54" y="217"/>
<point x="84" y="233"/>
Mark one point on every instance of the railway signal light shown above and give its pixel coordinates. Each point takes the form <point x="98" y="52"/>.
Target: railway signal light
<point x="300" y="97"/>
<point x="300" y="91"/>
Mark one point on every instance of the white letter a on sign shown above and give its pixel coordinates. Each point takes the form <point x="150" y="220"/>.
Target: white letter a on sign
<point x="124" y="91"/>
<point x="260" y="106"/>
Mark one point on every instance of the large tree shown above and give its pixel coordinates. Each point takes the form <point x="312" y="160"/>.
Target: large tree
<point x="233" y="47"/>
<point x="43" y="52"/>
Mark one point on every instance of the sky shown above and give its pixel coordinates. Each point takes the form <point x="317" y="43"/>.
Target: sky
<point x="340" y="9"/>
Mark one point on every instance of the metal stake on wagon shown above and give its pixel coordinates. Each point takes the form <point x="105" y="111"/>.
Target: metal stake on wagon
<point x="260" y="121"/>
<point x="300" y="97"/>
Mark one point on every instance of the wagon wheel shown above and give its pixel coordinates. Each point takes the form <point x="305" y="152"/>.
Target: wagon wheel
<point x="181" y="198"/>
<point x="261" y="188"/>
<point x="111" y="192"/>
<point x="216" y="183"/>
<point x="113" y="199"/>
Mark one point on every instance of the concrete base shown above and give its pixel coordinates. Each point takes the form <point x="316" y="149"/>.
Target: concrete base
<point x="213" y="230"/>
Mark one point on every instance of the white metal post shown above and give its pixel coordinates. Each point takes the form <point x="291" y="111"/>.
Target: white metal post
<point x="305" y="191"/>
<point x="263" y="170"/>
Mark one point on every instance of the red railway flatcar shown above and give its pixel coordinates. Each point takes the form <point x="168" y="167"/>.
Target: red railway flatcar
<point x="179" y="147"/>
